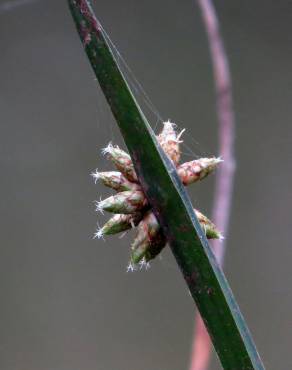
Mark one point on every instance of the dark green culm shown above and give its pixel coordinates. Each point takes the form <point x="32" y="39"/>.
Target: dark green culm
<point x="170" y="203"/>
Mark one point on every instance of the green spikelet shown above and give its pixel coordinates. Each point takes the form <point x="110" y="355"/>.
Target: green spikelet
<point x="148" y="249"/>
<point x="139" y="252"/>
<point x="210" y="229"/>
<point x="115" y="180"/>
<point x="124" y="202"/>
<point x="122" y="161"/>
<point x="119" y="223"/>
<point x="148" y="234"/>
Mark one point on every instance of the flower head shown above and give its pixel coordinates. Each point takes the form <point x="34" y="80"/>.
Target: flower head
<point x="130" y="205"/>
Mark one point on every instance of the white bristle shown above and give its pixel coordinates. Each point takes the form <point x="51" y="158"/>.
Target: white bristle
<point x="131" y="267"/>
<point x="98" y="205"/>
<point x="98" y="234"/>
<point x="107" y="149"/>
<point x="144" y="264"/>
<point x="95" y="176"/>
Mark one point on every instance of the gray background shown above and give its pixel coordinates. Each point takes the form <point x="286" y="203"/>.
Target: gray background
<point x="67" y="302"/>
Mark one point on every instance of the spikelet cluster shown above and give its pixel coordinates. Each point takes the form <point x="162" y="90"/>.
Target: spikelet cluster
<point x="130" y="205"/>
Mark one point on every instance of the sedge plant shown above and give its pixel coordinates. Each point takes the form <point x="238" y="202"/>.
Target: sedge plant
<point x="164" y="193"/>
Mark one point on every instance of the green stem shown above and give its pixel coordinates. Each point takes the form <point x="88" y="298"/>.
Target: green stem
<point x="170" y="203"/>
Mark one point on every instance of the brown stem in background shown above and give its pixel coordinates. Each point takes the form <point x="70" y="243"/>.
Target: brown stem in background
<point x="201" y="350"/>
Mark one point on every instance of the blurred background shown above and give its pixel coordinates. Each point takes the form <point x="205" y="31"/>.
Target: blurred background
<point x="67" y="302"/>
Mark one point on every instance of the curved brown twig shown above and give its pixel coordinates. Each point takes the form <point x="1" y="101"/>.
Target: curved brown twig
<point x="202" y="345"/>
